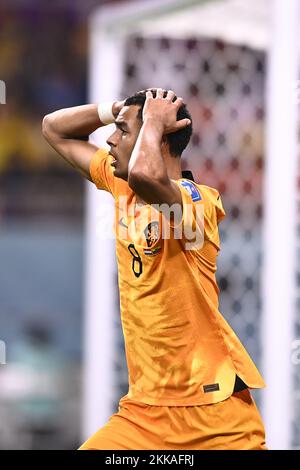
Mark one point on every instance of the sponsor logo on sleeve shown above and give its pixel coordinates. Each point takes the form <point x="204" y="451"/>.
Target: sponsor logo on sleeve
<point x="192" y="190"/>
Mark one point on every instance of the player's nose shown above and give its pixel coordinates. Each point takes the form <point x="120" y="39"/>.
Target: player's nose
<point x="112" y="140"/>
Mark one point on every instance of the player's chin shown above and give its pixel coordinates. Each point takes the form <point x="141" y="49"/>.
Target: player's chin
<point x="119" y="173"/>
<point x="114" y="165"/>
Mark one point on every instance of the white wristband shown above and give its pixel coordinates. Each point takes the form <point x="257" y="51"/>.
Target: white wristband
<point x="105" y="112"/>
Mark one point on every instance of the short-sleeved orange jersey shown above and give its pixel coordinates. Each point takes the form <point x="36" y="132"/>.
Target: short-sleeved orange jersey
<point x="179" y="348"/>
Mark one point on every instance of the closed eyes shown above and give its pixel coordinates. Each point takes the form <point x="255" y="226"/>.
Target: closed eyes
<point x="119" y="126"/>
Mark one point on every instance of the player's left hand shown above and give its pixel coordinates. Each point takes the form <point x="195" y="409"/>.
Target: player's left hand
<point x="164" y="110"/>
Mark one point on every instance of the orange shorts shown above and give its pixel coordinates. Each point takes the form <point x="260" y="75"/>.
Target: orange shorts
<point x="234" y="423"/>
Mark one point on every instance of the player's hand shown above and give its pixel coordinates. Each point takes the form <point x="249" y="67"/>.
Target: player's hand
<point x="163" y="111"/>
<point x="117" y="106"/>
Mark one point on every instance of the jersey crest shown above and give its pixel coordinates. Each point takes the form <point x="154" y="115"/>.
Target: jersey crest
<point x="152" y="233"/>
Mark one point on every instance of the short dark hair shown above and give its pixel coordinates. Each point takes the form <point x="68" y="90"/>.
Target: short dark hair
<point x="177" y="140"/>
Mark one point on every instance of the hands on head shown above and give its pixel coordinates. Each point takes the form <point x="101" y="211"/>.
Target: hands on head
<point x="162" y="106"/>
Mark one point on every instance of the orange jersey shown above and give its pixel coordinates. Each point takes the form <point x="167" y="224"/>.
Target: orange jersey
<point x="232" y="424"/>
<point x="179" y="348"/>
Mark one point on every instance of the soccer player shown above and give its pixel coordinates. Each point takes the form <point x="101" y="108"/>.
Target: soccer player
<point x="189" y="375"/>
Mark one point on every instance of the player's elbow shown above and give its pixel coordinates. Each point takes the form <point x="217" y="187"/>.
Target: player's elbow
<point x="47" y="127"/>
<point x="136" y="180"/>
<point x="133" y="179"/>
<point x="50" y="127"/>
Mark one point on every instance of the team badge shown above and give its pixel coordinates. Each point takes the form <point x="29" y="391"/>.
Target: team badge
<point x="152" y="233"/>
<point x="192" y="190"/>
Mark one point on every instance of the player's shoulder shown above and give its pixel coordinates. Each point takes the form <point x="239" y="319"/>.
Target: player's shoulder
<point x="212" y="200"/>
<point x="100" y="166"/>
<point x="209" y="197"/>
<point x="209" y="192"/>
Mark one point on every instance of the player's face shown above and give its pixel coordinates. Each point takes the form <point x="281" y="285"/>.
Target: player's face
<point x="123" y="139"/>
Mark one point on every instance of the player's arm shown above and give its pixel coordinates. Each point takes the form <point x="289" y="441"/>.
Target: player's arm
<point x="147" y="173"/>
<point x="67" y="131"/>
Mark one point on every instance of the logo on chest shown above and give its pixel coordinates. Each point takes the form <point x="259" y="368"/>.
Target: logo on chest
<point x="151" y="233"/>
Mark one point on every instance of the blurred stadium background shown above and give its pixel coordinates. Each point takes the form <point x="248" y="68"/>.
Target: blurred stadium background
<point x="60" y="383"/>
